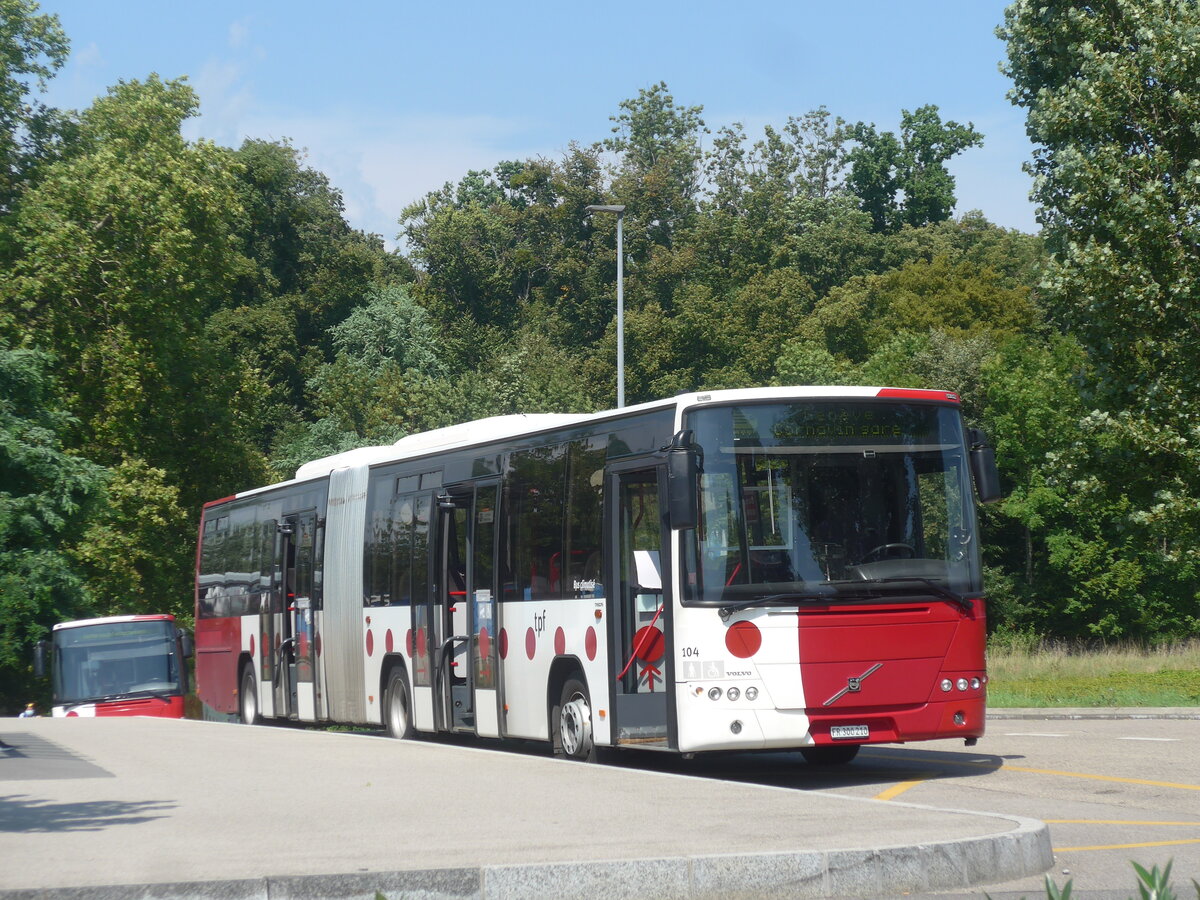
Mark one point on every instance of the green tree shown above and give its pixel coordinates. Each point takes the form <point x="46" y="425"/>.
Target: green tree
<point x="308" y="269"/>
<point x="857" y="318"/>
<point x="46" y="496"/>
<point x="659" y="176"/>
<point x="127" y="246"/>
<point x="1112" y="95"/>
<point x="904" y="180"/>
<point x="32" y="47"/>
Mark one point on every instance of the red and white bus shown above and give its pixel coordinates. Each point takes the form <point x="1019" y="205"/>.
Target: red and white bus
<point x="734" y="570"/>
<point x="117" y="666"/>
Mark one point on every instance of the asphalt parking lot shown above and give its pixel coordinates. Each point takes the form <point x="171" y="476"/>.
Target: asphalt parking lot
<point x="90" y="805"/>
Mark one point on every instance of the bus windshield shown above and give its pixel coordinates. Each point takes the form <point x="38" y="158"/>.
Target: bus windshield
<point x="823" y="500"/>
<point x="115" y="659"/>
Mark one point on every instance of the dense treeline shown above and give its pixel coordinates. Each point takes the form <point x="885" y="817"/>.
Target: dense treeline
<point x="180" y="320"/>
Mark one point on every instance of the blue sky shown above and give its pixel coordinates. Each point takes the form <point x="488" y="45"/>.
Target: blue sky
<point x="392" y="99"/>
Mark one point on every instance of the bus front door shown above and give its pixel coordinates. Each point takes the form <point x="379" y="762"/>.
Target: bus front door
<point x="290" y="666"/>
<point x="466" y="661"/>
<point x="641" y="615"/>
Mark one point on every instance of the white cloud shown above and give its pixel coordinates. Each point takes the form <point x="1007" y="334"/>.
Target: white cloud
<point x="379" y="170"/>
<point x="87" y="57"/>
<point x="239" y="34"/>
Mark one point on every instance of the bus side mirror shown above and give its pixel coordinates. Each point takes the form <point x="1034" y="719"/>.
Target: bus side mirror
<point x="39" y="659"/>
<point x="186" y="645"/>
<point x="683" y="481"/>
<point x="983" y="466"/>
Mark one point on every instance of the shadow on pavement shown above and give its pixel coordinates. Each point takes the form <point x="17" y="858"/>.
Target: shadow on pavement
<point x="22" y="813"/>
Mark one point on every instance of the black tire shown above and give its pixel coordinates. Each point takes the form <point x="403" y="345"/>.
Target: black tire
<point x="397" y="712"/>
<point x="829" y="754"/>
<point x="571" y="720"/>
<point x="248" y="698"/>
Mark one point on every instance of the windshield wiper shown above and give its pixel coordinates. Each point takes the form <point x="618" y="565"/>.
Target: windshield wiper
<point x="964" y="603"/>
<point x="794" y="597"/>
<point x="845" y="590"/>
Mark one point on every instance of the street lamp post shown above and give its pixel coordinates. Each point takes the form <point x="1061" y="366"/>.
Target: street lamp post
<point x="620" y="212"/>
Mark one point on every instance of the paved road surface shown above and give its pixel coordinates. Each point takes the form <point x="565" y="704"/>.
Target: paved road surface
<point x="94" y="802"/>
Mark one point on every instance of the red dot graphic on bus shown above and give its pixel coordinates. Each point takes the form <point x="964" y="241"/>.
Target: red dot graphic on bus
<point x="251" y="645"/>
<point x="648" y="644"/>
<point x="504" y="643"/>
<point x="743" y="639"/>
<point x="560" y="642"/>
<point x="485" y="643"/>
<point x="317" y="644"/>
<point x="589" y="642"/>
<point x="421" y="642"/>
<point x="408" y="644"/>
<point x="388" y="642"/>
<point x="370" y="642"/>
<point x="530" y="643"/>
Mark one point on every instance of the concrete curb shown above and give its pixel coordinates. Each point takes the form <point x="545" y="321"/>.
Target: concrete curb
<point x="1110" y="712"/>
<point x="884" y="871"/>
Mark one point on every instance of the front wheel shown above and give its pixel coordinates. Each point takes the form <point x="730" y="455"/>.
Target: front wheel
<point x="399" y="710"/>
<point x="248" y="698"/>
<point x="829" y="755"/>
<point x="573" y="721"/>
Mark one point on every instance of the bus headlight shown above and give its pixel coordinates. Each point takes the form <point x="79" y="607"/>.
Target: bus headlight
<point x="751" y="693"/>
<point x="947" y="685"/>
<point x="733" y="693"/>
<point x="714" y="693"/>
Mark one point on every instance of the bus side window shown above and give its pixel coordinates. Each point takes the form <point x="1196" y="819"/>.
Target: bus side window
<point x="585" y="502"/>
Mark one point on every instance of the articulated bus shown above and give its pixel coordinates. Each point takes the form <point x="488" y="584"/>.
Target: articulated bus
<point x="735" y="570"/>
<point x="117" y="666"/>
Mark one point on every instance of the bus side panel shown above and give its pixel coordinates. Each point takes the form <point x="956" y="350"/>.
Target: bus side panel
<point x="534" y="635"/>
<point x="343" y="638"/>
<point x="387" y="632"/>
<point x="218" y="644"/>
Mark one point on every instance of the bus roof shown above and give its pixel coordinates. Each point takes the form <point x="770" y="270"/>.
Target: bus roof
<point x="112" y="620"/>
<point x="495" y="428"/>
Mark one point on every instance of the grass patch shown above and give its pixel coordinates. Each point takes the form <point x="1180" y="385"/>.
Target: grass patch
<point x="1044" y="673"/>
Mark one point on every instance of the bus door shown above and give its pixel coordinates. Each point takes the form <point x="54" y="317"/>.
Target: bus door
<point x="466" y="657"/>
<point x="289" y="671"/>
<point x="641" y="613"/>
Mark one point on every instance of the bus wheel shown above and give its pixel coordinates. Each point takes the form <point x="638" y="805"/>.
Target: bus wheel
<point x="399" y="711"/>
<point x="248" y="697"/>
<point x="826" y="755"/>
<point x="574" y="722"/>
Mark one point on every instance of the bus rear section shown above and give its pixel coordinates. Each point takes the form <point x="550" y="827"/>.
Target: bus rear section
<point x="118" y="666"/>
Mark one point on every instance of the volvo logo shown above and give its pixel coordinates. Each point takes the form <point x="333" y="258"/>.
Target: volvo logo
<point x="853" y="684"/>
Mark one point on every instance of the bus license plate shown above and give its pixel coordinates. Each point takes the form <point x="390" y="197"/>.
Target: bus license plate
<point x="846" y="732"/>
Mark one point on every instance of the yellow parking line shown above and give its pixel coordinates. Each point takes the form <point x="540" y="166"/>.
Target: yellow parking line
<point x="1007" y="768"/>
<point x="1127" y="846"/>
<point x="1113" y="822"/>
<point x="1166" y="784"/>
<point x="897" y="789"/>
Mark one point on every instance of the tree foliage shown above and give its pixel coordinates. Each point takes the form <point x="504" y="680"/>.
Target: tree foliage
<point x="1112" y="94"/>
<point x="46" y="496"/>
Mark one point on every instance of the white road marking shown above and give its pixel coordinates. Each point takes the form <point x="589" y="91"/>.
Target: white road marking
<point x="1034" y="734"/>
<point x="1159" y="740"/>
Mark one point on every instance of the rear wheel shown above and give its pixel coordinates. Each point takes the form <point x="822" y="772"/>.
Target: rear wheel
<point x="829" y="755"/>
<point x="399" y="711"/>
<point x="248" y="697"/>
<point x="573" y="720"/>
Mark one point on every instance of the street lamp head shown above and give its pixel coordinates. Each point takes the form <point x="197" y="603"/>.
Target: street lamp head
<point x="595" y="208"/>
